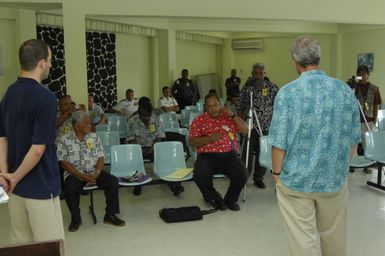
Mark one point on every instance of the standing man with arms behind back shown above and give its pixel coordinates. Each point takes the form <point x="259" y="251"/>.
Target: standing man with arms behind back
<point x="314" y="133"/>
<point x="28" y="160"/>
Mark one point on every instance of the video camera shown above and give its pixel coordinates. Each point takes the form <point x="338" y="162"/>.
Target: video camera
<point x="353" y="81"/>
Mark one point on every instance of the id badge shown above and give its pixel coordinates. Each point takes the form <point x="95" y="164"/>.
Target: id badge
<point x="264" y="92"/>
<point x="151" y="128"/>
<point x="67" y="129"/>
<point x="231" y="135"/>
<point x="90" y="143"/>
<point x="366" y="106"/>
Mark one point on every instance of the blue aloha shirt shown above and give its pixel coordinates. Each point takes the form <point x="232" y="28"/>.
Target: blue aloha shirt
<point x="316" y="121"/>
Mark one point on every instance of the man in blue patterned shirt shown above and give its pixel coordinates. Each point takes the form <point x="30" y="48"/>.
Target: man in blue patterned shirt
<point x="314" y="133"/>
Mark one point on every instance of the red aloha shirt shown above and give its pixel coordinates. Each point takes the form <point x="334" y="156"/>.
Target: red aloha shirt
<point x="205" y="125"/>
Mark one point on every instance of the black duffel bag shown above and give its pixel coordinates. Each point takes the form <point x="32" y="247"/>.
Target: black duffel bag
<point x="188" y="213"/>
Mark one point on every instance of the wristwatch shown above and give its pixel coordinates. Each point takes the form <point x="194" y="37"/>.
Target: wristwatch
<point x="234" y="115"/>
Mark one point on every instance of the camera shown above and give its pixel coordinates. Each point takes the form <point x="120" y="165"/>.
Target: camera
<point x="353" y="81"/>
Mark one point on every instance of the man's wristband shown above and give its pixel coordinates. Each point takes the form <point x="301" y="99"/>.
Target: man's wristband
<point x="276" y="173"/>
<point x="234" y="115"/>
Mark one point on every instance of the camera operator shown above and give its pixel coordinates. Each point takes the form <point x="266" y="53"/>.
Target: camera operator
<point x="264" y="93"/>
<point x="369" y="97"/>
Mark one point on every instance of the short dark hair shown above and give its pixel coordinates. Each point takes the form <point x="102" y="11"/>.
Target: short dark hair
<point x="143" y="99"/>
<point x="128" y="91"/>
<point x="184" y="70"/>
<point x="31" y="52"/>
<point x="165" y="88"/>
<point x="212" y="95"/>
<point x="363" y="68"/>
<point x="145" y="109"/>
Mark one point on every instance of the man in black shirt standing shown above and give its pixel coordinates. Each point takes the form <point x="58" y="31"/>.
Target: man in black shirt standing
<point x="232" y="84"/>
<point x="184" y="91"/>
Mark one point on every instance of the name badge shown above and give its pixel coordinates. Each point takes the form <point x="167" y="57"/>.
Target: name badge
<point x="90" y="143"/>
<point x="67" y="129"/>
<point x="366" y="106"/>
<point x="264" y="92"/>
<point x="151" y="128"/>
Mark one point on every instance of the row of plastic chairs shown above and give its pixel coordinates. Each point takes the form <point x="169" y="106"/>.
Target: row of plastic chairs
<point x="127" y="161"/>
<point x="128" y="166"/>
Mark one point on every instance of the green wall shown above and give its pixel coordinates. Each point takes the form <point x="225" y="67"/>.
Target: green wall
<point x="370" y="41"/>
<point x="133" y="63"/>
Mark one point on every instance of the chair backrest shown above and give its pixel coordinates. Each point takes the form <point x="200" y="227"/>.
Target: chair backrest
<point x="103" y="128"/>
<point x="118" y="123"/>
<point x="169" y="116"/>
<point x="108" y="140"/>
<point x="381" y="124"/>
<point x="126" y="160"/>
<point x="374" y="146"/>
<point x="193" y="115"/>
<point x="264" y="153"/>
<point x="169" y="120"/>
<point x="168" y="157"/>
<point x="192" y="108"/>
<point x="185" y="117"/>
<point x="200" y="106"/>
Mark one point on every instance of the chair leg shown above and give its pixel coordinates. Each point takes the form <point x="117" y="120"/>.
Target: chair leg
<point x="91" y="207"/>
<point x="379" y="180"/>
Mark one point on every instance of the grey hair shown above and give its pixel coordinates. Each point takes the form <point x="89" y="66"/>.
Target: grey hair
<point x="258" y="65"/>
<point x="306" y="51"/>
<point x="78" y="116"/>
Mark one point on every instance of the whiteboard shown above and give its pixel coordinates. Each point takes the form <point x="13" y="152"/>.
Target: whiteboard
<point x="206" y="82"/>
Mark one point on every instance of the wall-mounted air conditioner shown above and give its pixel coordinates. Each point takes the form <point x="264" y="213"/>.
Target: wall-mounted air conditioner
<point x="247" y="44"/>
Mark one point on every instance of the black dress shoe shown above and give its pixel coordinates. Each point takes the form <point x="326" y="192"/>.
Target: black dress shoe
<point x="232" y="206"/>
<point x="137" y="190"/>
<point x="74" y="226"/>
<point x="259" y="184"/>
<point x="218" y="204"/>
<point x="113" y="220"/>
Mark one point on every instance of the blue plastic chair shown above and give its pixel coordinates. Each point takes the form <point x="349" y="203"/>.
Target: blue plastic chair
<point x="170" y="116"/>
<point x="381" y="124"/>
<point x="265" y="153"/>
<point x="192" y="108"/>
<point x="108" y="140"/>
<point x="103" y="128"/>
<point x="374" y="149"/>
<point x="184" y="117"/>
<point x="127" y="161"/>
<point x="192" y="116"/>
<point x="169" y="157"/>
<point x="118" y="123"/>
<point x="200" y="106"/>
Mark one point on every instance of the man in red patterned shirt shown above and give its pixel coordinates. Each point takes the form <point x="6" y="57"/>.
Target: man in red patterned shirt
<point x="213" y="133"/>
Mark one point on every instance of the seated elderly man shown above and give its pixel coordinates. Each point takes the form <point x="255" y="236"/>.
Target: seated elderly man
<point x="145" y="129"/>
<point x="81" y="156"/>
<point x="213" y="134"/>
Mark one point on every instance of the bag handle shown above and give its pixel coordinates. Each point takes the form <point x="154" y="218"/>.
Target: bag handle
<point x="204" y="212"/>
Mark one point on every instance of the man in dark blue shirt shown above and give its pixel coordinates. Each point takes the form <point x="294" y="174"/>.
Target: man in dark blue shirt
<point x="184" y="91"/>
<point x="28" y="162"/>
<point x="232" y="84"/>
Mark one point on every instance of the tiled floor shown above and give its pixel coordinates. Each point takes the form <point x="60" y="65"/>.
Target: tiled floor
<point x="255" y="230"/>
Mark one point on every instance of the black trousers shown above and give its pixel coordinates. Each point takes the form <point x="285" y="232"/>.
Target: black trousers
<point x="259" y="171"/>
<point x="209" y="164"/>
<point x="105" y="181"/>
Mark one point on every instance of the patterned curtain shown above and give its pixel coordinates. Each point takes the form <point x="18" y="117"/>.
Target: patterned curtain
<point x="101" y="64"/>
<point x="101" y="67"/>
<point x="56" y="80"/>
